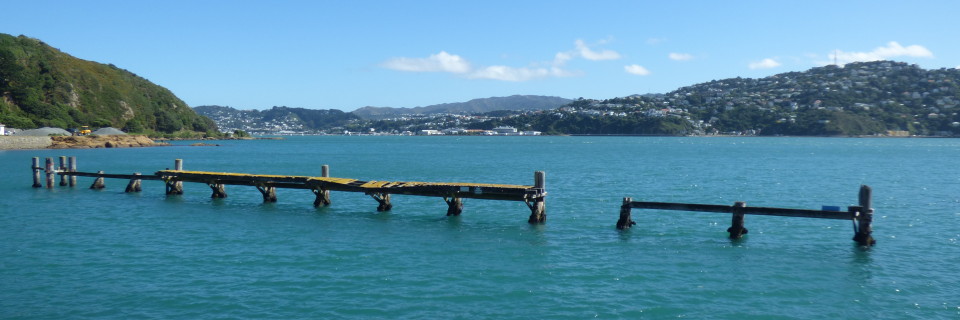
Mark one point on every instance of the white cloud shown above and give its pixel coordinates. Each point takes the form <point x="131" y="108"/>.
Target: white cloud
<point x="892" y="50"/>
<point x="764" y="64"/>
<point x="441" y="62"/>
<point x="506" y="73"/>
<point x="561" y="58"/>
<point x="680" y="56"/>
<point x="451" y="63"/>
<point x="636" y="69"/>
<point x="589" y="54"/>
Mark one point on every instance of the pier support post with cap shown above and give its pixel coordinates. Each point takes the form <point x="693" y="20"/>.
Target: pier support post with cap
<point x="135" y="184"/>
<point x="175" y="187"/>
<point x="864" y="230"/>
<point x="625" y="222"/>
<point x="323" y="195"/>
<point x="383" y="199"/>
<point x="51" y="173"/>
<point x="219" y="190"/>
<point x="35" y="166"/>
<point x="63" y="168"/>
<point x="454" y="205"/>
<point x="538" y="210"/>
<point x="269" y="193"/>
<point x="736" y="229"/>
<point x="72" y="166"/>
<point x="98" y="183"/>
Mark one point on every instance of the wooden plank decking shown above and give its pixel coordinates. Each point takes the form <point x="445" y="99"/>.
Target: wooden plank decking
<point x="432" y="189"/>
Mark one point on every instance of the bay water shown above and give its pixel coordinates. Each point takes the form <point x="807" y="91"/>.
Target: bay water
<point x="76" y="253"/>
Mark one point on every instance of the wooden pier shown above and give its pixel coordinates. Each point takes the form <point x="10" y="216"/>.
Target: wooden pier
<point x="452" y="193"/>
<point x="861" y="215"/>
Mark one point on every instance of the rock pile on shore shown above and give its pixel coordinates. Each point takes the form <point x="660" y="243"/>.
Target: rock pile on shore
<point x="97" y="141"/>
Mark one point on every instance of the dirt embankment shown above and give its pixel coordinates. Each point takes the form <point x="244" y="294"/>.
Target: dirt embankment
<point x="113" y="141"/>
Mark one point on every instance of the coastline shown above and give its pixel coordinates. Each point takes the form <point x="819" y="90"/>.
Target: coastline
<point x="76" y="142"/>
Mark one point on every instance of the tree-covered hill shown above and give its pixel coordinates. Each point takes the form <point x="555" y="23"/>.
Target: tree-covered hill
<point x="276" y="119"/>
<point x="861" y="98"/>
<point x="865" y="98"/>
<point x="42" y="86"/>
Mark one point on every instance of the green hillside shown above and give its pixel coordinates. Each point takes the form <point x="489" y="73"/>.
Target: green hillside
<point x="42" y="86"/>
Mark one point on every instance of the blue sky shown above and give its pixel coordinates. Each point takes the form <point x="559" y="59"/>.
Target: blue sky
<point x="350" y="54"/>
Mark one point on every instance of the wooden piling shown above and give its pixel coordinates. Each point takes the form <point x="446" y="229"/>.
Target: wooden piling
<point x="51" y="173"/>
<point x="384" y="201"/>
<point x="35" y="166"/>
<point x="135" y="184"/>
<point x="175" y="187"/>
<point x="269" y="193"/>
<point x="736" y="229"/>
<point x="454" y="206"/>
<point x="323" y="195"/>
<point x="538" y="210"/>
<point x="219" y="190"/>
<point x="72" y="167"/>
<point x="864" y="217"/>
<point x="98" y="183"/>
<point x="625" y="222"/>
<point x="63" y="168"/>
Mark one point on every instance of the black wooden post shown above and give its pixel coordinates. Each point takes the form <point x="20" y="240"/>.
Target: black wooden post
<point x="219" y="190"/>
<point x="538" y="209"/>
<point x="864" y="233"/>
<point x="454" y="206"/>
<point x="383" y="199"/>
<point x="269" y="193"/>
<point x="625" y="222"/>
<point x="736" y="229"/>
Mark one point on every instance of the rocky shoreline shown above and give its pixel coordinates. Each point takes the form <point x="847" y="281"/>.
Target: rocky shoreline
<point x="76" y="142"/>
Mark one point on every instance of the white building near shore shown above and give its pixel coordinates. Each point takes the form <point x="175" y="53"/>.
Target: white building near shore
<point x="505" y="130"/>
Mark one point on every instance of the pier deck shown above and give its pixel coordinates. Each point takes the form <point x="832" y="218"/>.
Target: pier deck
<point x="430" y="189"/>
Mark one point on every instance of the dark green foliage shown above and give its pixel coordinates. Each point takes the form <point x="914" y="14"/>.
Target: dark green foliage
<point x="46" y="87"/>
<point x="307" y="119"/>
<point x="311" y="118"/>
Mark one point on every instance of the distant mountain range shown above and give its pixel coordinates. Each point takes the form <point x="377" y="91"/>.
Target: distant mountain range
<point x="859" y="99"/>
<point x="301" y="119"/>
<point x="512" y="103"/>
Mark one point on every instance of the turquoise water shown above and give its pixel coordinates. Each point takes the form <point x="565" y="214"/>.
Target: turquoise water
<point x="78" y="253"/>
